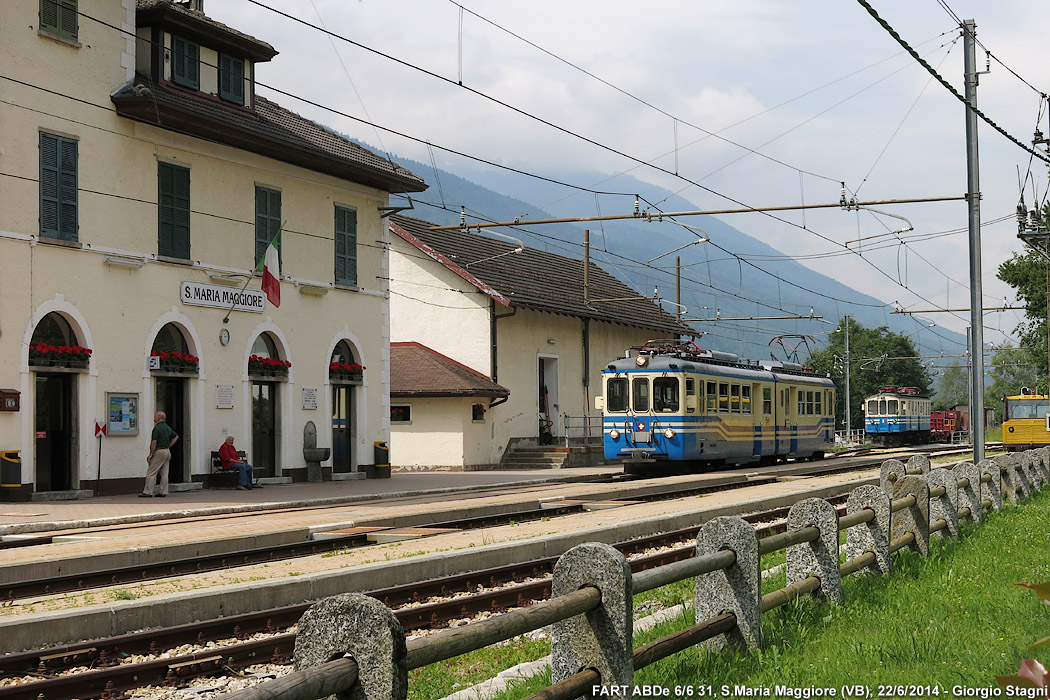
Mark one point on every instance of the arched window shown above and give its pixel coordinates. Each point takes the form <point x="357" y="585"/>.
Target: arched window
<point x="172" y="352"/>
<point x="54" y="344"/>
<point x="265" y="361"/>
<point x="343" y="366"/>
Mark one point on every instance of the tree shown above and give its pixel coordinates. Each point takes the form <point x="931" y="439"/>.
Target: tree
<point x="1029" y="274"/>
<point x="1009" y="372"/>
<point x="952" y="388"/>
<point x="878" y="357"/>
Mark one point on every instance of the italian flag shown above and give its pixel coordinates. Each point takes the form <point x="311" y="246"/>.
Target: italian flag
<point x="271" y="272"/>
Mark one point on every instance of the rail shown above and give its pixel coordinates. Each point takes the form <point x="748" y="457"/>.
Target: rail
<point x="912" y="503"/>
<point x="582" y="430"/>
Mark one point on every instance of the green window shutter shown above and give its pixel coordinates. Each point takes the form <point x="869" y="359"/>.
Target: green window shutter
<point x="58" y="187"/>
<point x="231" y="79"/>
<point x="345" y="246"/>
<point x="59" y="17"/>
<point x="185" y="68"/>
<point x="267" y="220"/>
<point x="173" y="212"/>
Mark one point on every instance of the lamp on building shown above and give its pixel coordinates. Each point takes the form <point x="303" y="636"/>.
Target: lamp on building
<point x="124" y="261"/>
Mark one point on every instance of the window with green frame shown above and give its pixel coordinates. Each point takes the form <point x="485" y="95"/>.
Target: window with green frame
<point x="267" y="220"/>
<point x="58" y="187"/>
<point x="231" y="78"/>
<point x="185" y="62"/>
<point x="59" y="17"/>
<point x="345" y="246"/>
<point x="173" y="211"/>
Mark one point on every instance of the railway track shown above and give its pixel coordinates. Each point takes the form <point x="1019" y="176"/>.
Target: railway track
<point x="458" y="598"/>
<point x="12" y="592"/>
<point x="230" y="644"/>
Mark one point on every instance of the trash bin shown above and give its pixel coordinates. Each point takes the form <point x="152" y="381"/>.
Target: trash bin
<point x="10" y="474"/>
<point x="381" y="456"/>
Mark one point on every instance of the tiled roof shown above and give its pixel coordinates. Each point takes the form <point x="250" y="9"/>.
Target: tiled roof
<point x="535" y="279"/>
<point x="270" y="130"/>
<point x="416" y="370"/>
<point x="193" y="15"/>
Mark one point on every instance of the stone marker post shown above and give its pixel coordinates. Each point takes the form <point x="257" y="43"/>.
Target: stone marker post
<point x="602" y="639"/>
<point x="874" y="535"/>
<point x="820" y="557"/>
<point x="736" y="589"/>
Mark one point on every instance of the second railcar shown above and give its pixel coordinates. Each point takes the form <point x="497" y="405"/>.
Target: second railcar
<point x="897" y="415"/>
<point x="675" y="403"/>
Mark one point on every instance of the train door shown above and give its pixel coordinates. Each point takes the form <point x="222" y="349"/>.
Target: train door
<point x="765" y="424"/>
<point x="786" y="422"/>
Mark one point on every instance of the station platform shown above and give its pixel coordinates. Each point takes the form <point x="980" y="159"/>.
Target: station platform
<point x="46" y="516"/>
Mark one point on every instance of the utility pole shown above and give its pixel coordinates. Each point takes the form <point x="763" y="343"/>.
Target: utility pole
<point x="586" y="261"/>
<point x="973" y="196"/>
<point x="969" y="380"/>
<point x="678" y="286"/>
<point x="847" y="381"/>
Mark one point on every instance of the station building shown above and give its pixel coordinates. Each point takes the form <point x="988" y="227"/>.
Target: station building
<point x="141" y="181"/>
<point x="532" y="329"/>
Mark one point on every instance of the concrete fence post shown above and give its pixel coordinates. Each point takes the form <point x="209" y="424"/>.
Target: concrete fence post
<point x="890" y="472"/>
<point x="1043" y="463"/>
<point x="993" y="490"/>
<point x="602" y="639"/>
<point x="364" y="629"/>
<point x="945" y="507"/>
<point x="736" y="589"/>
<point x="915" y="519"/>
<point x="969" y="495"/>
<point x="919" y="465"/>
<point x="1009" y="480"/>
<point x="874" y="535"/>
<point x="1029" y="461"/>
<point x="820" y="557"/>
<point x="1023" y="462"/>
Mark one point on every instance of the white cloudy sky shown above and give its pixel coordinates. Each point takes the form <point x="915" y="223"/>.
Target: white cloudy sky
<point x="822" y="86"/>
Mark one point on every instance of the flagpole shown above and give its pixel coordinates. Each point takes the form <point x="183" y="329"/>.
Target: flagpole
<point x="229" y="311"/>
<point x="258" y="265"/>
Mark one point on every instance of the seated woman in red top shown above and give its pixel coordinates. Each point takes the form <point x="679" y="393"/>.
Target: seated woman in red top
<point x="230" y="459"/>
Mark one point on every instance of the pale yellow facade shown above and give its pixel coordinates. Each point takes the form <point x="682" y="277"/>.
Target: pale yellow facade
<point x="117" y="293"/>
<point x="434" y="306"/>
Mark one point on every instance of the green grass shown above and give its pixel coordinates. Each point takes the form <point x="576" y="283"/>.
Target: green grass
<point x="954" y="619"/>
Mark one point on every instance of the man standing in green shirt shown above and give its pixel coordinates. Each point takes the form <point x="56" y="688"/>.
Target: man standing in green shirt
<point x="159" y="455"/>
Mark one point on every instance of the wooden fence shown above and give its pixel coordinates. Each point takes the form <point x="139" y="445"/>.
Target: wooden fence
<point x="353" y="646"/>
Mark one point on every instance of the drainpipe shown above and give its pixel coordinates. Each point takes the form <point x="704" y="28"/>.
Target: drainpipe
<point x="494" y="345"/>
<point x="586" y="380"/>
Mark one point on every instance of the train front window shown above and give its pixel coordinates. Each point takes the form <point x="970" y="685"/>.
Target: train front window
<point x="1017" y="409"/>
<point x="665" y="395"/>
<point x="891" y="407"/>
<point x="641" y="395"/>
<point x="882" y="407"/>
<point x="616" y="396"/>
<point x="873" y="408"/>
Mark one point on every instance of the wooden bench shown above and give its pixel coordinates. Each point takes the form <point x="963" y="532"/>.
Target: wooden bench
<point x="221" y="477"/>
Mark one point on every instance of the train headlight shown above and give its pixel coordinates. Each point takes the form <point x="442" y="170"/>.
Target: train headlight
<point x="614" y="433"/>
<point x="668" y="433"/>
<point x="1010" y="429"/>
<point x="641" y="360"/>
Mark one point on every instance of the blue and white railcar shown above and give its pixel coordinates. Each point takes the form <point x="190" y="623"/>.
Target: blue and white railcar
<point x="897" y="415"/>
<point x="677" y="403"/>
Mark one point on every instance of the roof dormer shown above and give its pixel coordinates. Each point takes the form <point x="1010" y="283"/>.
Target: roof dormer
<point x="180" y="45"/>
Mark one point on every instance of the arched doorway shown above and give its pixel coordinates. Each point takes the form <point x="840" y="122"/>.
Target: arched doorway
<point x="56" y="358"/>
<point x="344" y="373"/>
<point x="172" y="370"/>
<point x="266" y="370"/>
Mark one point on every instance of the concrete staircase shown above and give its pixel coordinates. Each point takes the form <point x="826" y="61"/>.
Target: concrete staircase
<point x="535" y="457"/>
<point x="550" y="457"/>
